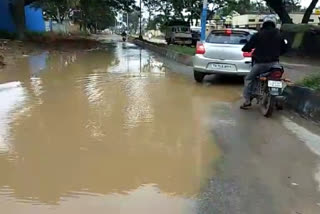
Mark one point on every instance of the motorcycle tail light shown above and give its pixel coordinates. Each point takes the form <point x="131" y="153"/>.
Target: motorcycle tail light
<point x="276" y="74"/>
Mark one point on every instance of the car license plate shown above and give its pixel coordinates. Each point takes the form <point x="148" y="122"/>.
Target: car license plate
<point x="223" y="67"/>
<point x="274" y="84"/>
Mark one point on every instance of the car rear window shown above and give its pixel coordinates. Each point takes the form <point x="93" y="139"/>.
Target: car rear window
<point x="235" y="37"/>
<point x="183" y="29"/>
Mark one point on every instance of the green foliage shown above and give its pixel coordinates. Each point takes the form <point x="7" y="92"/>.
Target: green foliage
<point x="243" y="6"/>
<point x="90" y="14"/>
<point x="299" y="28"/>
<point x="312" y="81"/>
<point x="183" y="10"/>
<point x="57" y="10"/>
<point x="157" y="23"/>
<point x="293" y="5"/>
<point x="100" y="14"/>
<point x="134" y="21"/>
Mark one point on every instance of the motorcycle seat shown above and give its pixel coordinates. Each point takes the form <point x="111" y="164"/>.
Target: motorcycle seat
<point x="275" y="67"/>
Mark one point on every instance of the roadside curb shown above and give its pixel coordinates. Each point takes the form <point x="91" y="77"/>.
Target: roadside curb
<point x="304" y="101"/>
<point x="178" y="57"/>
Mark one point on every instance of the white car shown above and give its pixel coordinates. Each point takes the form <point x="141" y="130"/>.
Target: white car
<point x="221" y="53"/>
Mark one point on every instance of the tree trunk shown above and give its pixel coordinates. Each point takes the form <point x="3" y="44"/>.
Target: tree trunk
<point x="279" y="7"/>
<point x="18" y="15"/>
<point x="309" y="11"/>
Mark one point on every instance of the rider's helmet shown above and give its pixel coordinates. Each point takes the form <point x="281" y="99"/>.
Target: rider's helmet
<point x="270" y="20"/>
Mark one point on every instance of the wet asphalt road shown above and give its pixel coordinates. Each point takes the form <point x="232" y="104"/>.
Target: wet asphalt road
<point x="121" y="130"/>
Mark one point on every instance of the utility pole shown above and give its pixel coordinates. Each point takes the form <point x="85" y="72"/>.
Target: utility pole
<point x="204" y="20"/>
<point x="127" y="16"/>
<point x="140" y="35"/>
<point x="128" y="22"/>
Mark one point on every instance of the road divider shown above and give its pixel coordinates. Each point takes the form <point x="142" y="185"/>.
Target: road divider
<point x="164" y="51"/>
<point x="304" y="101"/>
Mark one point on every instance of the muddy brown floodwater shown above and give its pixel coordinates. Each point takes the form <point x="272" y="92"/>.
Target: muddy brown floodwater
<point x="104" y="131"/>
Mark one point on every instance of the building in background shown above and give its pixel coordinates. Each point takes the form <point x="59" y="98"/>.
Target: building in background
<point x="34" y="18"/>
<point x="254" y="21"/>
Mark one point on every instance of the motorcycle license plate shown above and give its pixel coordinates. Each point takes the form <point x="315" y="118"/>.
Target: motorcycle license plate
<point x="274" y="84"/>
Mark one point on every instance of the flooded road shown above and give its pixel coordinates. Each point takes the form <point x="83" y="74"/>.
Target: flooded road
<point x="120" y="130"/>
<point x="111" y="129"/>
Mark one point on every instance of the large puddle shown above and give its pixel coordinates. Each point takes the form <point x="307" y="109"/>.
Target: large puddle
<point x="104" y="131"/>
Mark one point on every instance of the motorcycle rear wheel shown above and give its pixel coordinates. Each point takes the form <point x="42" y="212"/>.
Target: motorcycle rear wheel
<point x="267" y="105"/>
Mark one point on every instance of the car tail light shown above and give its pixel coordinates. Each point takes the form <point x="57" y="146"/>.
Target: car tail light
<point x="276" y="74"/>
<point x="200" y="48"/>
<point x="248" y="54"/>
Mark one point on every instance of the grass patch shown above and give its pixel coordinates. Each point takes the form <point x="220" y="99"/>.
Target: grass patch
<point x="183" y="49"/>
<point x="312" y="81"/>
<point x="299" y="28"/>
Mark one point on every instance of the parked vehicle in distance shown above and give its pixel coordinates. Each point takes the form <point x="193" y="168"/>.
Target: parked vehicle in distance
<point x="178" y="32"/>
<point x="196" y="35"/>
<point x="221" y="53"/>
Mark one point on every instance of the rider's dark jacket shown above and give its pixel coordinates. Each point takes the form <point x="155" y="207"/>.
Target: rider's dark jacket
<point x="268" y="45"/>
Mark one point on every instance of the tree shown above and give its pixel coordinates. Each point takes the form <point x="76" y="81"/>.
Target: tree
<point x="184" y="10"/>
<point x="18" y="15"/>
<point x="309" y="11"/>
<point x="293" y="5"/>
<point x="98" y="14"/>
<point x="280" y="8"/>
<point x="243" y="7"/>
<point x="134" y="21"/>
<point x="57" y="10"/>
<point x="157" y="23"/>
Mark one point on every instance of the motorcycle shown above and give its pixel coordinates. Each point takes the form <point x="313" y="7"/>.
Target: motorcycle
<point x="124" y="38"/>
<point x="268" y="89"/>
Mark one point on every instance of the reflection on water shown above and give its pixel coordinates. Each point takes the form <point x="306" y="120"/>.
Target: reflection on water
<point x="105" y="130"/>
<point x="12" y="96"/>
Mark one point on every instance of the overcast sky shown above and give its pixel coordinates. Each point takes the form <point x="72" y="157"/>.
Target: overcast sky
<point x="305" y="3"/>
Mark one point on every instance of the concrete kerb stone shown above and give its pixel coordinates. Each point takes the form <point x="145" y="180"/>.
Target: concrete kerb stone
<point x="304" y="101"/>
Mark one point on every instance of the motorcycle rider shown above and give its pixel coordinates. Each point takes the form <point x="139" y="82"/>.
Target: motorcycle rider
<point x="267" y="46"/>
<point x="124" y="35"/>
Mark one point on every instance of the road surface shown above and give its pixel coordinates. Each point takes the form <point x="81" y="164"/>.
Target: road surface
<point x="120" y="130"/>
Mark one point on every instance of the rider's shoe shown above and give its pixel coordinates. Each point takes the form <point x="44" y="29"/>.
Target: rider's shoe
<point x="245" y="105"/>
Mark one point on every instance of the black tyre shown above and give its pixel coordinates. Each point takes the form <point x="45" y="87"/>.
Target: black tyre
<point x="198" y="76"/>
<point x="267" y="105"/>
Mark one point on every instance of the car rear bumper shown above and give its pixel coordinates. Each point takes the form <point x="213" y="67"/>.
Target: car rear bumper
<point x="202" y="64"/>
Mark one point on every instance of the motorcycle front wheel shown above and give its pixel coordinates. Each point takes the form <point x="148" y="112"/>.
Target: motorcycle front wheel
<point x="267" y="105"/>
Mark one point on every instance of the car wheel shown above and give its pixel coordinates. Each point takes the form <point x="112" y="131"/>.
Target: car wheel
<point x="198" y="76"/>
